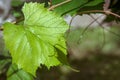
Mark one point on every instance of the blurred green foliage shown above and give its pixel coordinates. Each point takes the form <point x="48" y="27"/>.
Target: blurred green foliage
<point x="105" y="40"/>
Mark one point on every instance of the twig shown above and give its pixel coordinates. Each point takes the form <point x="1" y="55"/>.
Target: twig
<point x="106" y="5"/>
<point x="87" y="28"/>
<point x="68" y="31"/>
<point x="113" y="14"/>
<point x="101" y="11"/>
<point x="101" y="26"/>
<point x="90" y="24"/>
<point x="54" y="6"/>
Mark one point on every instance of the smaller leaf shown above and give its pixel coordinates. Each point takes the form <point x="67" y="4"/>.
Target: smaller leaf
<point x="69" y="7"/>
<point x="18" y="74"/>
<point x="94" y="2"/>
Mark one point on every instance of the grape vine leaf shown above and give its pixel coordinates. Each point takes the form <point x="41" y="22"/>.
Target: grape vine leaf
<point x="40" y="40"/>
<point x="14" y="73"/>
<point x="69" y="7"/>
<point x="74" y="5"/>
<point x="94" y="2"/>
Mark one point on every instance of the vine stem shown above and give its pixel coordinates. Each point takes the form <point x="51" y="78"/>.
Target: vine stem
<point x="57" y="5"/>
<point x="101" y="11"/>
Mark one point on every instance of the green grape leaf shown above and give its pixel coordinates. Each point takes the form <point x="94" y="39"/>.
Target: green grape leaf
<point x="74" y="5"/>
<point x="14" y="73"/>
<point x="94" y="2"/>
<point x="70" y="7"/>
<point x="40" y="40"/>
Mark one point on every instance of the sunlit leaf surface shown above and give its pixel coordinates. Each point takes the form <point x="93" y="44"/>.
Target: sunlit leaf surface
<point x="40" y="40"/>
